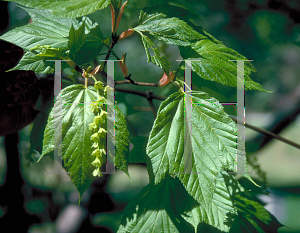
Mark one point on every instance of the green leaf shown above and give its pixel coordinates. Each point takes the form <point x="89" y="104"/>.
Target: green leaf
<point x="75" y="133"/>
<point x="194" y="43"/>
<point x="253" y="217"/>
<point x="173" y="11"/>
<point x="86" y="42"/>
<point x="297" y="29"/>
<point x="196" y="149"/>
<point x="157" y="58"/>
<point x="122" y="142"/>
<point x="215" y="64"/>
<point x="167" y="207"/>
<point x="47" y="39"/>
<point x="169" y="30"/>
<point x="66" y="8"/>
<point x="154" y="209"/>
<point x="38" y="64"/>
<point x="220" y="209"/>
<point x="42" y="31"/>
<point x="76" y="38"/>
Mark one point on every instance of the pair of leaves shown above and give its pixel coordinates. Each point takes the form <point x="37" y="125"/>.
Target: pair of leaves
<point x="66" y="8"/>
<point x="196" y="146"/>
<point x="73" y="109"/>
<point x="48" y="38"/>
<point x="216" y="63"/>
<point x="170" y="30"/>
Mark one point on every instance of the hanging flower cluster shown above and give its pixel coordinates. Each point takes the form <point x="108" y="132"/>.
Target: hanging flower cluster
<point x="98" y="128"/>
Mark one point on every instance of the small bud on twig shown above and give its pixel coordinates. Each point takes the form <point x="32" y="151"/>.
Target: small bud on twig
<point x="123" y="66"/>
<point x="120" y="15"/>
<point x="125" y="34"/>
<point x="112" y="18"/>
<point x="165" y="79"/>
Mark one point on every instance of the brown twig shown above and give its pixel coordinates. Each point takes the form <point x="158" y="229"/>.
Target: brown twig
<point x="136" y="83"/>
<point x="140" y="93"/>
<point x="150" y="96"/>
<point x="268" y="133"/>
<point x="114" y="41"/>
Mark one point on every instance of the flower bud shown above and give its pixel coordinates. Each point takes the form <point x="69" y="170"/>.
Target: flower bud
<point x="98" y="85"/>
<point x="97" y="172"/>
<point x="95" y="137"/>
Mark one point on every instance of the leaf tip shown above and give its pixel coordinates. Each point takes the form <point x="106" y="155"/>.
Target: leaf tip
<point x="251" y="180"/>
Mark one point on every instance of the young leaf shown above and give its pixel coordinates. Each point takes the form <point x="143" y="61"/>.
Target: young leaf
<point x="220" y="209"/>
<point x="214" y="63"/>
<point x="76" y="38"/>
<point x="122" y="142"/>
<point x="38" y="64"/>
<point x="157" y="58"/>
<point x="194" y="42"/>
<point x="66" y="8"/>
<point x="169" y="30"/>
<point x="73" y="109"/>
<point x="196" y="148"/>
<point x="86" y="42"/>
<point x="171" y="11"/>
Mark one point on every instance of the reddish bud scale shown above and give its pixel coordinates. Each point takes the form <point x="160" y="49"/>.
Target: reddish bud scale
<point x="112" y="18"/>
<point x="125" y="34"/>
<point x="123" y="66"/>
<point x="165" y="80"/>
<point x="120" y="15"/>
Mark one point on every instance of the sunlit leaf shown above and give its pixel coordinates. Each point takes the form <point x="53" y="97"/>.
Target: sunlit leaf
<point x="196" y="149"/>
<point x="72" y="108"/>
<point x="66" y="8"/>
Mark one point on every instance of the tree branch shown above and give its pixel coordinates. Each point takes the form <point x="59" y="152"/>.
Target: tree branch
<point x="136" y="83"/>
<point x="140" y="93"/>
<point x="268" y="133"/>
<point x="114" y="41"/>
<point x="150" y="96"/>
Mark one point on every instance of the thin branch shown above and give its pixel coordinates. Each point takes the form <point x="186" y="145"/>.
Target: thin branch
<point x="268" y="133"/>
<point x="136" y="83"/>
<point x="140" y="93"/>
<point x="150" y="101"/>
<point x="151" y="96"/>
